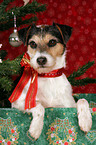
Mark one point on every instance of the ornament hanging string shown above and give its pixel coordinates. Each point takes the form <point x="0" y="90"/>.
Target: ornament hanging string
<point x="13" y="38"/>
<point x="15" y="28"/>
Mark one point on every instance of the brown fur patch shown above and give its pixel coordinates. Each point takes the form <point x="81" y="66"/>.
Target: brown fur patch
<point x="56" y="50"/>
<point x="42" y="45"/>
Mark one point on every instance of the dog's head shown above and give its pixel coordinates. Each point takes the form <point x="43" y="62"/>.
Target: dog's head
<point x="46" y="45"/>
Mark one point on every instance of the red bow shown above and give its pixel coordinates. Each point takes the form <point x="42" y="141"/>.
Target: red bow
<point x="32" y="91"/>
<point x="29" y="72"/>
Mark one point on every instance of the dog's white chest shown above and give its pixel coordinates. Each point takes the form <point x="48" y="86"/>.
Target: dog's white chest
<point x="52" y="92"/>
<point x="55" y="92"/>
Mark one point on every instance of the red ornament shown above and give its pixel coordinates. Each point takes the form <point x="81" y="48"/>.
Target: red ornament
<point x="94" y="109"/>
<point x="72" y="139"/>
<point x="66" y="143"/>
<point x="57" y="142"/>
<point x="52" y="128"/>
<point x="15" y="138"/>
<point x="12" y="130"/>
<point x="9" y="143"/>
<point x="70" y="131"/>
<point x="0" y="141"/>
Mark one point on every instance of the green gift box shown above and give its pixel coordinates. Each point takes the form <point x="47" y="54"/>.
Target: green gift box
<point x="60" y="126"/>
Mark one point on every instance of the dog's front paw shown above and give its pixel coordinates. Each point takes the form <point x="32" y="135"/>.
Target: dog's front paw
<point x="35" y="132"/>
<point x="84" y="115"/>
<point x="36" y="128"/>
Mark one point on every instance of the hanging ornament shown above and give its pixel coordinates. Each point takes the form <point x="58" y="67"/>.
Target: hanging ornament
<point x="26" y="1"/>
<point x="0" y="57"/>
<point x="0" y="45"/>
<point x="13" y="38"/>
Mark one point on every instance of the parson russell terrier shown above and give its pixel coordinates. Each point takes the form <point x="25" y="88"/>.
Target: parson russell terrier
<point x="43" y="83"/>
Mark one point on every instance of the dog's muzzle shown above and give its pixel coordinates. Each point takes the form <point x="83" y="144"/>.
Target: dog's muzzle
<point x="42" y="60"/>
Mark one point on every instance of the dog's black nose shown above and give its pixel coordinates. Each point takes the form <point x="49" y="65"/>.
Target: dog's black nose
<point x="41" y="60"/>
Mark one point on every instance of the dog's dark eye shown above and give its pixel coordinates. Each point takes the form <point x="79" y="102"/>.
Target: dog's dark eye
<point x="52" y="43"/>
<point x="33" y="44"/>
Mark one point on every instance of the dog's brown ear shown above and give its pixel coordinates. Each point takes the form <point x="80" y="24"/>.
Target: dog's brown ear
<point x="23" y="33"/>
<point x="65" y="31"/>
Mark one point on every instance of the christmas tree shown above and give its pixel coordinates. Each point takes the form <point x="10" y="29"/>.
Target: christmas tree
<point x="26" y="14"/>
<point x="30" y="10"/>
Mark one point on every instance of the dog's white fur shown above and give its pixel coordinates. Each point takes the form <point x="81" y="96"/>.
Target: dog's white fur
<point x="53" y="92"/>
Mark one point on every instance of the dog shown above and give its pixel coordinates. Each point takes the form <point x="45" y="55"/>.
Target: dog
<point x="46" y="48"/>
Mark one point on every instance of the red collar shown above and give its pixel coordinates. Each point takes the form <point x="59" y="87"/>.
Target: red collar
<point x="30" y="100"/>
<point x="52" y="74"/>
<point x="26" y="63"/>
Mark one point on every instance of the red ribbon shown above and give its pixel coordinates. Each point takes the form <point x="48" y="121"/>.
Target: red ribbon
<point x="29" y="72"/>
